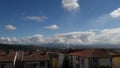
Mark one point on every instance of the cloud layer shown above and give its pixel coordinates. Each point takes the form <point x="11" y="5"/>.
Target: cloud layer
<point x="115" y="13"/>
<point x="106" y="36"/>
<point x="52" y="27"/>
<point x="10" y="27"/>
<point x="70" y="5"/>
<point x="36" y="18"/>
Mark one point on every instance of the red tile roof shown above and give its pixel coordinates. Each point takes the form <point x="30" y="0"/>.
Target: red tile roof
<point x="2" y="53"/>
<point x="35" y="56"/>
<point x="7" y="57"/>
<point x="32" y="56"/>
<point x="96" y="53"/>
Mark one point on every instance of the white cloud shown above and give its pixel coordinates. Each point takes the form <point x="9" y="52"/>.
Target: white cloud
<point x="115" y="13"/>
<point x="10" y="27"/>
<point x="109" y="36"/>
<point x="70" y="5"/>
<point x="35" y="39"/>
<point x="93" y="30"/>
<point x="52" y="27"/>
<point x="36" y="18"/>
<point x="104" y="20"/>
<point x="8" y="40"/>
<point x="73" y="38"/>
<point x="105" y="36"/>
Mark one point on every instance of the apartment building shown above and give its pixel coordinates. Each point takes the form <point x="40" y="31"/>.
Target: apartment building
<point x="23" y="59"/>
<point x="92" y="58"/>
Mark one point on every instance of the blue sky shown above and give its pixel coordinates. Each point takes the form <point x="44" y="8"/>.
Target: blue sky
<point x="22" y="18"/>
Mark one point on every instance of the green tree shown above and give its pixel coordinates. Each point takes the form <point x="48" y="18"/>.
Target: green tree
<point x="101" y="66"/>
<point x="66" y="62"/>
<point x="105" y="66"/>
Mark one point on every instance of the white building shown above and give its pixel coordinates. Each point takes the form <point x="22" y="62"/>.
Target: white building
<point x="92" y="58"/>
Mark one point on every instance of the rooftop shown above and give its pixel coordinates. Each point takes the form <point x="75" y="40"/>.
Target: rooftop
<point x="27" y="56"/>
<point x="96" y="53"/>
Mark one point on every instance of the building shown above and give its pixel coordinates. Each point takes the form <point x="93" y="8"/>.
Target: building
<point x="23" y="59"/>
<point x="6" y="59"/>
<point x="116" y="62"/>
<point x="56" y="59"/>
<point x="92" y="58"/>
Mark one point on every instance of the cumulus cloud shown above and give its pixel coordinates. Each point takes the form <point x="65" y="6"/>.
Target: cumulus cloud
<point x="35" y="39"/>
<point x="70" y="5"/>
<point x="105" y="36"/>
<point x="36" y="18"/>
<point x="10" y="27"/>
<point x="8" y="40"/>
<point x="52" y="27"/>
<point x="109" y="36"/>
<point x="73" y="38"/>
<point x="115" y="13"/>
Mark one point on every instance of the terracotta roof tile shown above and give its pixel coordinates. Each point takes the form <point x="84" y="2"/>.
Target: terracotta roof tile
<point x="2" y="53"/>
<point x="8" y="57"/>
<point x="96" y="53"/>
<point x="34" y="56"/>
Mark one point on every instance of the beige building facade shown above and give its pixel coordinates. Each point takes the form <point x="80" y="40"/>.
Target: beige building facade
<point x="93" y="58"/>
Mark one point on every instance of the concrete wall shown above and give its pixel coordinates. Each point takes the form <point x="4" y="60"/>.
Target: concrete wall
<point x="116" y="62"/>
<point x="74" y="61"/>
<point x="60" y="59"/>
<point x="80" y="62"/>
<point x="27" y="64"/>
<point x="7" y="65"/>
<point x="86" y="63"/>
<point x="105" y="61"/>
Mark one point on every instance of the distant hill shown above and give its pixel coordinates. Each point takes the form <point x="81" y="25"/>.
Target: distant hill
<point x="54" y="46"/>
<point x="19" y="47"/>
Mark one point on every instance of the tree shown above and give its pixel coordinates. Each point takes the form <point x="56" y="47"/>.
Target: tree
<point x="107" y="66"/>
<point x="66" y="62"/>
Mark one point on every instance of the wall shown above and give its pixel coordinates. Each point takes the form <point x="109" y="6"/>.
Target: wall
<point x="105" y="61"/>
<point x="80" y="61"/>
<point x="7" y="65"/>
<point x="60" y="59"/>
<point x="27" y="64"/>
<point x="116" y="62"/>
<point x="86" y="63"/>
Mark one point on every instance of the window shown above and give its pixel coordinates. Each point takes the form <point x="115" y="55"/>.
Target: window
<point x="2" y="66"/>
<point x="32" y="65"/>
<point x="77" y="62"/>
<point x="82" y="62"/>
<point x="94" y="63"/>
<point x="77" y="58"/>
<point x="42" y="64"/>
